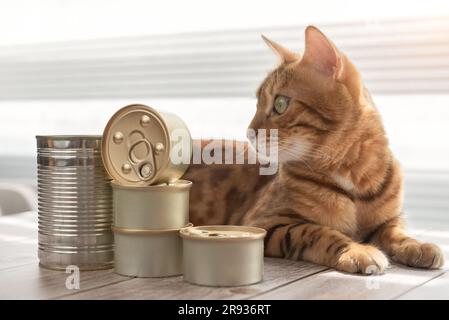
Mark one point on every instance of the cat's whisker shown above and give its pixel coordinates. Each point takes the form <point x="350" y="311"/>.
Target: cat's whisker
<point x="292" y="156"/>
<point x="299" y="152"/>
<point x="296" y="159"/>
<point x="311" y="144"/>
<point x="308" y="151"/>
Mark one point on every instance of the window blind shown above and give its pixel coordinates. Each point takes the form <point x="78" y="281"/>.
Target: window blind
<point x="403" y="56"/>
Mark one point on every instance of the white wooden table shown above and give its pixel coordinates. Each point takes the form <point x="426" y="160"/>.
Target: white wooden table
<point x="22" y="278"/>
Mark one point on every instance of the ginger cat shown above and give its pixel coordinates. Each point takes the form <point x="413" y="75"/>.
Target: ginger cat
<point x="336" y="199"/>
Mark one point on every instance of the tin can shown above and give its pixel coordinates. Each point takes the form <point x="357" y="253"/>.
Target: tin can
<point x="142" y="146"/>
<point x="148" y="253"/>
<point x="74" y="203"/>
<point x="223" y="255"/>
<point x="163" y="206"/>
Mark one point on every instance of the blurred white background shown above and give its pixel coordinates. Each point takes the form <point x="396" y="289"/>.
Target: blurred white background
<point x="66" y="66"/>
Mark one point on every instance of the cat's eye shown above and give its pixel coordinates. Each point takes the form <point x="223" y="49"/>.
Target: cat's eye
<point x="281" y="104"/>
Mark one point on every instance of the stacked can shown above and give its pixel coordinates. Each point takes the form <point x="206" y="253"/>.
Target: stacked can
<point x="146" y="152"/>
<point x="74" y="203"/>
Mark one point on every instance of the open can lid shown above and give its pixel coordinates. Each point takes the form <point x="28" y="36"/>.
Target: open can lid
<point x="135" y="145"/>
<point x="223" y="233"/>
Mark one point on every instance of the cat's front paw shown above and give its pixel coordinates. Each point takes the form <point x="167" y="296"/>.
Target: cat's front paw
<point x="359" y="258"/>
<point x="420" y="255"/>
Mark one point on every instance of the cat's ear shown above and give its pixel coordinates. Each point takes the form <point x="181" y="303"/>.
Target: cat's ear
<point x="284" y="54"/>
<point x="322" y="53"/>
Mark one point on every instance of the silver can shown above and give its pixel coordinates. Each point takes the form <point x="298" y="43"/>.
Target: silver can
<point x="223" y="256"/>
<point x="148" y="253"/>
<point x="164" y="206"/>
<point x="74" y="204"/>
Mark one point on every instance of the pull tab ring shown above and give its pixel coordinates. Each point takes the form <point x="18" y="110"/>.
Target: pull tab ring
<point x="143" y="166"/>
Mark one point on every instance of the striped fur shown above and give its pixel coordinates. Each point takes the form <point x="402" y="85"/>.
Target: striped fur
<point x="337" y="197"/>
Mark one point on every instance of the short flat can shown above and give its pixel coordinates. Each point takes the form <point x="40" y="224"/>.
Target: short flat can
<point x="223" y="256"/>
<point x="142" y="146"/>
<point x="163" y="206"/>
<point x="147" y="253"/>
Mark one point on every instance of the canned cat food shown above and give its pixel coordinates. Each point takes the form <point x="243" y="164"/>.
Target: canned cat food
<point x="148" y="253"/>
<point x="163" y="206"/>
<point x="142" y="146"/>
<point x="74" y="204"/>
<point x="223" y="255"/>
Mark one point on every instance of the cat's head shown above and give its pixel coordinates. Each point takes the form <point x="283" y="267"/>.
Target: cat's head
<point x="312" y="99"/>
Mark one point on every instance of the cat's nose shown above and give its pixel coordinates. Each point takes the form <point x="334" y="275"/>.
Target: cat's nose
<point x="257" y="122"/>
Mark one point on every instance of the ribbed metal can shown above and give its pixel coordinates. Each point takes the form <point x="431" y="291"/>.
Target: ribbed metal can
<point x="74" y="203"/>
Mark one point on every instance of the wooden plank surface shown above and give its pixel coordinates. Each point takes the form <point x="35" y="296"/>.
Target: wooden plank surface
<point x="278" y="272"/>
<point x="337" y="285"/>
<point x="438" y="288"/>
<point x="16" y="255"/>
<point x="21" y="273"/>
<point x="22" y="278"/>
<point x="396" y="281"/>
<point x="33" y="282"/>
<point x="18" y="240"/>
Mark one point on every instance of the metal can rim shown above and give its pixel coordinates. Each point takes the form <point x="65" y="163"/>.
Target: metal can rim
<point x="255" y="233"/>
<point x="69" y="137"/>
<point x="178" y="185"/>
<point x="138" y="232"/>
